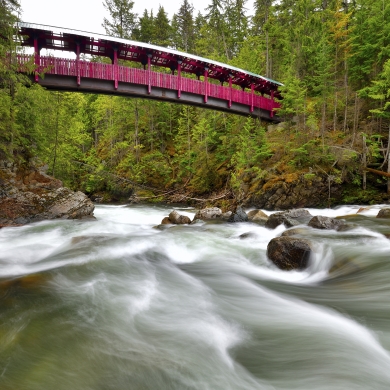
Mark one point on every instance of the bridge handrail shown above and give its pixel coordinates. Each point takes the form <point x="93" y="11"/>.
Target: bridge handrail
<point x="103" y="71"/>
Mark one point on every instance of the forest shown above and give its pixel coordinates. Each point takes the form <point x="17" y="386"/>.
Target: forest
<point x="332" y="56"/>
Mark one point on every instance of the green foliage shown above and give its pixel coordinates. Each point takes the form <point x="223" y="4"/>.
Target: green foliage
<point x="324" y="52"/>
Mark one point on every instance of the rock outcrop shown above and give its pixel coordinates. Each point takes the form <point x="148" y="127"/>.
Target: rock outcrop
<point x="289" y="218"/>
<point x="29" y="195"/>
<point x="283" y="191"/>
<point x="289" y="253"/>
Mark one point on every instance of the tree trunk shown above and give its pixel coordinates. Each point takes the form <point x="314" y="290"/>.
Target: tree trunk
<point x="364" y="163"/>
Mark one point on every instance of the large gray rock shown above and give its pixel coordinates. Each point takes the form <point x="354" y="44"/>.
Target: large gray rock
<point x="208" y="213"/>
<point x="32" y="196"/>
<point x="289" y="218"/>
<point x="384" y="213"/>
<point x="289" y="253"/>
<point x="327" y="223"/>
<point x="238" y="216"/>
<point x="178" y="219"/>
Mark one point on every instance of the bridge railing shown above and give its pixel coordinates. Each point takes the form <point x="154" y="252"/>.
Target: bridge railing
<point x="102" y="71"/>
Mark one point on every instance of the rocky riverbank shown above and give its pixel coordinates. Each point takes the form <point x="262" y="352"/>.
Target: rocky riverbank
<point x="30" y="195"/>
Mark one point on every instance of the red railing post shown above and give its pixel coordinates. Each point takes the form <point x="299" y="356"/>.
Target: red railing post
<point x="149" y="74"/>
<point x="36" y="59"/>
<point x="78" y="63"/>
<point x="273" y="104"/>
<point x="179" y="78"/>
<point x="252" y="96"/>
<point x="230" y="89"/>
<point x="206" y="73"/>
<point x="115" y="65"/>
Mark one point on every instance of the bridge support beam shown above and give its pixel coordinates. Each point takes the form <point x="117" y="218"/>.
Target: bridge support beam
<point x="272" y="99"/>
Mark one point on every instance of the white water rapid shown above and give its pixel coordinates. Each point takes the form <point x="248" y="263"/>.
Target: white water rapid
<point x="118" y="304"/>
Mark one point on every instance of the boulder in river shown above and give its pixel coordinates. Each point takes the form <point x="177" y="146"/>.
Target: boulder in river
<point x="258" y="216"/>
<point x="238" y="216"/>
<point x="166" y="221"/>
<point x="289" y="253"/>
<point x="289" y="218"/>
<point x="327" y="223"/>
<point x="384" y="213"/>
<point x="178" y="219"/>
<point x="208" y="213"/>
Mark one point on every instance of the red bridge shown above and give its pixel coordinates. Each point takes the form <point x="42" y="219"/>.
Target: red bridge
<point x="179" y="80"/>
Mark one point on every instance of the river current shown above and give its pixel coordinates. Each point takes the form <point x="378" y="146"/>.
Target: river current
<point x="118" y="304"/>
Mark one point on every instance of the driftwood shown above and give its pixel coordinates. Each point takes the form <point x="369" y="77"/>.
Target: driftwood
<point x="381" y="173"/>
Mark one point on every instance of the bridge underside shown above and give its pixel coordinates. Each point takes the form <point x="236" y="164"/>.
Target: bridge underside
<point x="69" y="84"/>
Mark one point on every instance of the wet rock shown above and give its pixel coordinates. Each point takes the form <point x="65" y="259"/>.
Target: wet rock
<point x="258" y="216"/>
<point x="178" y="219"/>
<point x="208" y="213"/>
<point x="246" y="235"/>
<point x="289" y="253"/>
<point x="289" y="218"/>
<point x="238" y="216"/>
<point x="384" y="213"/>
<point x="327" y="223"/>
<point x="166" y="221"/>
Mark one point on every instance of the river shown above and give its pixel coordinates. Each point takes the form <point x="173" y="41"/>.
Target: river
<point x="120" y="304"/>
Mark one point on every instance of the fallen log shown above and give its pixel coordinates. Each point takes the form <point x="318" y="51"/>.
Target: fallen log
<point x="377" y="172"/>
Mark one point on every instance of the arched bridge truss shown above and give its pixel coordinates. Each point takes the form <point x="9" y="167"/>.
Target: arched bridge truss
<point x="184" y="78"/>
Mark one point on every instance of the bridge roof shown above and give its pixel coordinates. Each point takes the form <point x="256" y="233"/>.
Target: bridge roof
<point x="50" y="37"/>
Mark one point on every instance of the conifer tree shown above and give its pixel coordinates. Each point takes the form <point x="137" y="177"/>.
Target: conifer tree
<point x="145" y="30"/>
<point x="123" y="21"/>
<point x="162" y="28"/>
<point x="184" y="26"/>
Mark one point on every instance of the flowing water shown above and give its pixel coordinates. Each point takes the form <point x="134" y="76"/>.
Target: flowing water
<point x="120" y="304"/>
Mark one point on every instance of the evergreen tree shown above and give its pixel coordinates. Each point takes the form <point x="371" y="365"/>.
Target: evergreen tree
<point x="162" y="28"/>
<point x="184" y="25"/>
<point x="145" y="31"/>
<point x="123" y="21"/>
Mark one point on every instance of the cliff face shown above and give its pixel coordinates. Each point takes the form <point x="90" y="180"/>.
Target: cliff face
<point x="29" y="195"/>
<point x="294" y="190"/>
